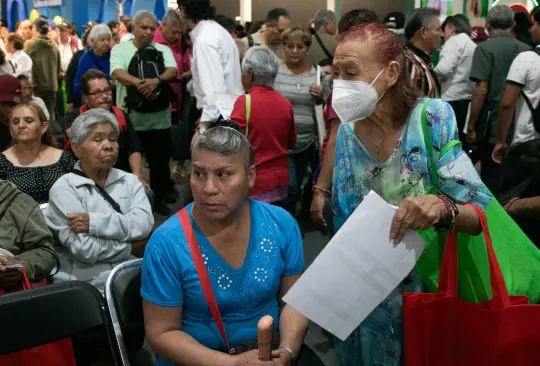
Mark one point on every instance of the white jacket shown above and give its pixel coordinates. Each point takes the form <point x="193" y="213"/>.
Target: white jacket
<point x="454" y="68"/>
<point x="91" y="256"/>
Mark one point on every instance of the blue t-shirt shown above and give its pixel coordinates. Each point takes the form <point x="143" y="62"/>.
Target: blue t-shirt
<point x="243" y="295"/>
<point x="89" y="60"/>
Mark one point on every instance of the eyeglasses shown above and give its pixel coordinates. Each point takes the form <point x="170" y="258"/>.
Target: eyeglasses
<point x="101" y="93"/>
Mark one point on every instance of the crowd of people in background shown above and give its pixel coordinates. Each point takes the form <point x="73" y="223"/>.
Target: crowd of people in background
<point x="82" y="118"/>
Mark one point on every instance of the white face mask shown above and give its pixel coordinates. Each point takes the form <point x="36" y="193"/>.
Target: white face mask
<point x="354" y="100"/>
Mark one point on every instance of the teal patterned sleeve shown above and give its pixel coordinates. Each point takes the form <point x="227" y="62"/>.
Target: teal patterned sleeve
<point x="458" y="177"/>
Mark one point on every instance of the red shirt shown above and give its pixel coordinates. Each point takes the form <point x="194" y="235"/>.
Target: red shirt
<point x="271" y="132"/>
<point x="328" y="115"/>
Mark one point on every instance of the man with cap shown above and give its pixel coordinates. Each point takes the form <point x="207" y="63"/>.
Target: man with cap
<point x="10" y="95"/>
<point x="46" y="64"/>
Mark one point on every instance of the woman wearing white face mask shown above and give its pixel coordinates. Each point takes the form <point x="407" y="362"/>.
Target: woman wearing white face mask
<point x="382" y="147"/>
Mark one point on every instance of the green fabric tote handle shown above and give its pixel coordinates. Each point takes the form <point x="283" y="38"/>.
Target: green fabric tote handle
<point x="429" y="146"/>
<point x="248" y="112"/>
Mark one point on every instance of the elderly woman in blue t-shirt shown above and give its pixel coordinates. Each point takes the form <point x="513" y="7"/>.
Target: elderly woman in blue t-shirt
<point x="251" y="251"/>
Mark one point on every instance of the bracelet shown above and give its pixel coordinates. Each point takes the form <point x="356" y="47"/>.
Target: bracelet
<point x="291" y="353"/>
<point x="452" y="212"/>
<point x="324" y="190"/>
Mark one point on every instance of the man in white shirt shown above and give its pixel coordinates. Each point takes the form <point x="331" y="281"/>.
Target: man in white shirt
<point x="216" y="59"/>
<point x="67" y="45"/>
<point x="523" y="78"/>
<point x="454" y="67"/>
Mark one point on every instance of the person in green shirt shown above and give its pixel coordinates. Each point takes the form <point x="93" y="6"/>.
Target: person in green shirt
<point x="153" y="127"/>
<point x="491" y="62"/>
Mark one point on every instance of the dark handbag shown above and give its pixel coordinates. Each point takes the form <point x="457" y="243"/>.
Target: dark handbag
<point x="207" y="289"/>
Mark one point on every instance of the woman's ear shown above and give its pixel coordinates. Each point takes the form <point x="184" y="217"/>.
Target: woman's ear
<point x="44" y="127"/>
<point x="392" y="75"/>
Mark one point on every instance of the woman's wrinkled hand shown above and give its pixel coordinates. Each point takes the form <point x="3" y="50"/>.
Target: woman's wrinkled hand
<point x="79" y="222"/>
<point x="316" y="91"/>
<point x="317" y="208"/>
<point x="417" y="213"/>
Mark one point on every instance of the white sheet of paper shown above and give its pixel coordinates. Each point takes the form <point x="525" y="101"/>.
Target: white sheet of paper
<point x="225" y="103"/>
<point x="356" y="271"/>
<point x="321" y="127"/>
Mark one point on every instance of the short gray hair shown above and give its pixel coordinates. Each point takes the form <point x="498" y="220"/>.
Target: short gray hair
<point x="143" y="14"/>
<point x="263" y="63"/>
<point x="225" y="141"/>
<point x="418" y="19"/>
<point x="171" y="18"/>
<point x="500" y="17"/>
<point x="83" y="125"/>
<point x="98" y="32"/>
<point x="323" y="16"/>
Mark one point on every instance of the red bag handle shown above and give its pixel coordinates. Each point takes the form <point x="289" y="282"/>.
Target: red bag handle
<point x="24" y="279"/>
<point x="202" y="273"/>
<point x="448" y="279"/>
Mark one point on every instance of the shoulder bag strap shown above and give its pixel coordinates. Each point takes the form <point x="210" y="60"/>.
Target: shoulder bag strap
<point x="429" y="145"/>
<point x="323" y="47"/>
<point x="202" y="273"/>
<point x="248" y="112"/>
<point x="101" y="191"/>
<point x="535" y="121"/>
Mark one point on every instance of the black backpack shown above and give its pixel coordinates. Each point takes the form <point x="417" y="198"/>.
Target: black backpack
<point x="147" y="63"/>
<point x="535" y="112"/>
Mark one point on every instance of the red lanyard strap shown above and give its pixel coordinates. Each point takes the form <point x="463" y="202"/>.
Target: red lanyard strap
<point x="202" y="273"/>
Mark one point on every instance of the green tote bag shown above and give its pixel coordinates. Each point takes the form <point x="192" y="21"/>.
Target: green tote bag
<point x="518" y="257"/>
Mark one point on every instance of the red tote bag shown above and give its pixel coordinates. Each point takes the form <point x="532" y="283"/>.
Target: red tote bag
<point x="58" y="353"/>
<point x="442" y="330"/>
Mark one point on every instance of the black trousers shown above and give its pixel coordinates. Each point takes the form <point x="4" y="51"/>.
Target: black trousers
<point x="490" y="170"/>
<point x="156" y="145"/>
<point x="460" y="108"/>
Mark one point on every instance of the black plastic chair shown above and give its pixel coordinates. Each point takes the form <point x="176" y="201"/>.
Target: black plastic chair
<point x="50" y="313"/>
<point x="123" y="294"/>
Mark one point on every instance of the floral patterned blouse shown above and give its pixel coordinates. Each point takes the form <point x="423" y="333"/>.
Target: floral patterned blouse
<point x="407" y="171"/>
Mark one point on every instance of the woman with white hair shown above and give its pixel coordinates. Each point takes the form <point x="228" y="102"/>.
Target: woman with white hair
<point x="267" y="119"/>
<point x="101" y="214"/>
<point x="97" y="57"/>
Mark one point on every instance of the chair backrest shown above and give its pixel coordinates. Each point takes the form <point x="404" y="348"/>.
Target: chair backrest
<point x="50" y="313"/>
<point x="123" y="294"/>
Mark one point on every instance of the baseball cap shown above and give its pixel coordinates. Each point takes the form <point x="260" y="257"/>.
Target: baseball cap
<point x="11" y="89"/>
<point x="64" y="25"/>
